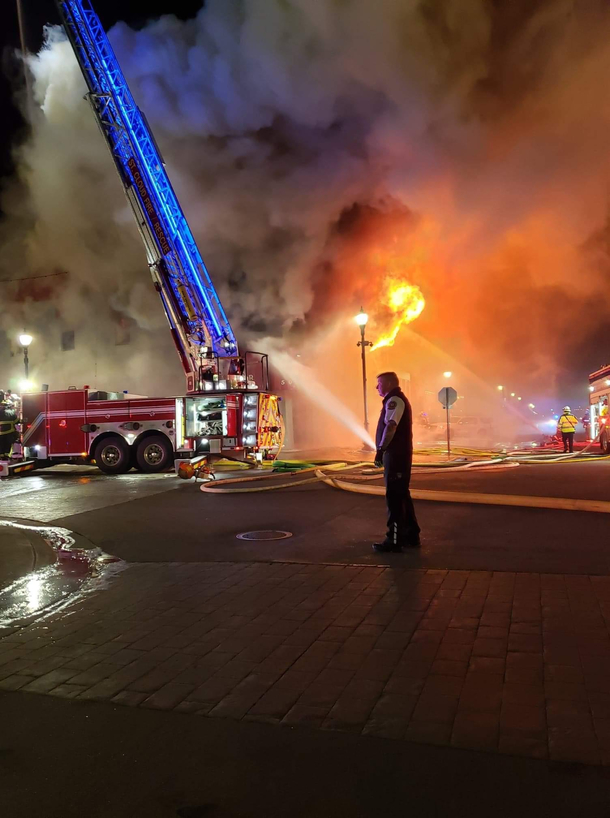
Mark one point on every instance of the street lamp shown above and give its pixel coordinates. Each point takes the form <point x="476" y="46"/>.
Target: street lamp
<point x="500" y="388"/>
<point x="447" y="374"/>
<point x="361" y="319"/>
<point x="25" y="340"/>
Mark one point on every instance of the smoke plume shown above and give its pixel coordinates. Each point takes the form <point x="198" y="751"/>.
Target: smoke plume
<point x="317" y="147"/>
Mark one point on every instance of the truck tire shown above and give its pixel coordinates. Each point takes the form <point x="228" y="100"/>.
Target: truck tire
<point x="154" y="454"/>
<point x="604" y="443"/>
<point x="112" y="455"/>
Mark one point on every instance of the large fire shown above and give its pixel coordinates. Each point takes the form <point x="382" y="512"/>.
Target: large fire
<point x="406" y="302"/>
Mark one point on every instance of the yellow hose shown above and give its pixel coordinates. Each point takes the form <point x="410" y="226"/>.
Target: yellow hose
<point x="219" y="488"/>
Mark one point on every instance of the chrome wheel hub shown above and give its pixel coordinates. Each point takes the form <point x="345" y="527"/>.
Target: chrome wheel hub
<point x="111" y="455"/>
<point x="153" y="454"/>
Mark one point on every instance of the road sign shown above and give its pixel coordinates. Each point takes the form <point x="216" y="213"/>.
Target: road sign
<point x="447" y="396"/>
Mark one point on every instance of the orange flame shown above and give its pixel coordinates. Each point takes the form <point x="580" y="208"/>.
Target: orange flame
<point x="406" y="301"/>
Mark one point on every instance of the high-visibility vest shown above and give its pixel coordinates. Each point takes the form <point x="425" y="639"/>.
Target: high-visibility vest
<point x="567" y="423"/>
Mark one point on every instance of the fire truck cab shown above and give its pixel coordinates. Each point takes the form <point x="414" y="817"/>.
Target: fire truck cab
<point x="599" y="400"/>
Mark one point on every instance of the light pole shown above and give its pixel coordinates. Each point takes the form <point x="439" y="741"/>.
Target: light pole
<point x="25" y="340"/>
<point x="361" y="319"/>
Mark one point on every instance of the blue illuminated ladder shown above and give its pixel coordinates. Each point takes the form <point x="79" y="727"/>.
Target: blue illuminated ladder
<point x="197" y="320"/>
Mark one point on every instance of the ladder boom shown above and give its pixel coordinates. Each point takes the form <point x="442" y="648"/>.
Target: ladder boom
<point x="197" y="319"/>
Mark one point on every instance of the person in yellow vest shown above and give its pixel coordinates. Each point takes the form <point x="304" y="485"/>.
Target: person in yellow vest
<point x="567" y="424"/>
<point x="604" y="410"/>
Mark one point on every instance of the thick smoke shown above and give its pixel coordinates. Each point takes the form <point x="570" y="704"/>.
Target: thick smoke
<point x="315" y="147"/>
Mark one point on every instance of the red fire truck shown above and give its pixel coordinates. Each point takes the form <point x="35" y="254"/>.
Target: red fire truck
<point x="227" y="407"/>
<point x="599" y="412"/>
<point x="118" y="431"/>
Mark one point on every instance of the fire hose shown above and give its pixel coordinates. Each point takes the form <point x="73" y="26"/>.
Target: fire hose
<point x="368" y="473"/>
<point x="557" y="503"/>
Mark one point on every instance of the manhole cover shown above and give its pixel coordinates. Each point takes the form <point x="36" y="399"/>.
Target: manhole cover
<point x="264" y="535"/>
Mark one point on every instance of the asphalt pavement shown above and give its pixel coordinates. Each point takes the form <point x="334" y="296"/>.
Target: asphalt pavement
<point x="21" y="552"/>
<point x="333" y="526"/>
<point x="66" y="759"/>
<point x="68" y="754"/>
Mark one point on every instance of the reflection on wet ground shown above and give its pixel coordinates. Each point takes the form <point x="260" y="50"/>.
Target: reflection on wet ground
<point x="47" y="589"/>
<point x="66" y="490"/>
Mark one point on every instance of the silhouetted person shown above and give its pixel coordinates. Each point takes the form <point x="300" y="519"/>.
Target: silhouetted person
<point x="394" y="441"/>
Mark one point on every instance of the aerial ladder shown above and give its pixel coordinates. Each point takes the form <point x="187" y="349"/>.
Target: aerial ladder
<point x="197" y="320"/>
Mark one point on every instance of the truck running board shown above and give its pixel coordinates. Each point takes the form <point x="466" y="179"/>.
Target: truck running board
<point x="13" y="469"/>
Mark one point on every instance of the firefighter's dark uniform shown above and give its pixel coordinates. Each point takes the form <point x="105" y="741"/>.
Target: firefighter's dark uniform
<point x="8" y="433"/>
<point x="403" y="528"/>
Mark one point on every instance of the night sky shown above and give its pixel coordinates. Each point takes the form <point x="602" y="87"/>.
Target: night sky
<point x="37" y="14"/>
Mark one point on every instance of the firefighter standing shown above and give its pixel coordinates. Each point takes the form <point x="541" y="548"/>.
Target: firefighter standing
<point x="8" y="433"/>
<point x="394" y="441"/>
<point x="567" y="426"/>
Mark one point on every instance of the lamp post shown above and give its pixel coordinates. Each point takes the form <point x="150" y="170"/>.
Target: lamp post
<point x="361" y="319"/>
<point x="25" y="340"/>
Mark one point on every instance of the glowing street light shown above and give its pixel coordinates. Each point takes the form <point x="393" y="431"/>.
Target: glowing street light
<point x="25" y="339"/>
<point x="500" y="388"/>
<point x="518" y="398"/>
<point x="447" y="374"/>
<point x="531" y="405"/>
<point x="512" y="394"/>
<point x="361" y="319"/>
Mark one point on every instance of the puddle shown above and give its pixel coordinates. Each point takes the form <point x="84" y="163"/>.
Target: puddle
<point x="76" y="572"/>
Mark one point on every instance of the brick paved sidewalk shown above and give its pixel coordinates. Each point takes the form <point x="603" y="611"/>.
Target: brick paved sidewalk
<point x="515" y="663"/>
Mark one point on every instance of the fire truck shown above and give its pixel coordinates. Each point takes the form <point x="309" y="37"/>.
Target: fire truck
<point x="227" y="408"/>
<point x="599" y="411"/>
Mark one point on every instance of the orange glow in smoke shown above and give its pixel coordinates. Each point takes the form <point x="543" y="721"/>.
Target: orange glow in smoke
<point x="407" y="303"/>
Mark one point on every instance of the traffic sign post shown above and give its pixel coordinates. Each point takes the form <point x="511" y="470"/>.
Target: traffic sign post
<point x="447" y="397"/>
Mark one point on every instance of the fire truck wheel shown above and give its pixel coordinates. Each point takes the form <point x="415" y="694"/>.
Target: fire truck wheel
<point x="154" y="454"/>
<point x="112" y="455"/>
<point x="604" y="443"/>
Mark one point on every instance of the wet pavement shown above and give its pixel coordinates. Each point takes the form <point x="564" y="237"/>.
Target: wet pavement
<point x="47" y="495"/>
<point x="43" y="568"/>
<point x="21" y="552"/>
<point x="490" y="645"/>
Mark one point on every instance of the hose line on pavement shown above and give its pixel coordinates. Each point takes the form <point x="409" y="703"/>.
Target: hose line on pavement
<point x="557" y="503"/>
<point x="220" y="486"/>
